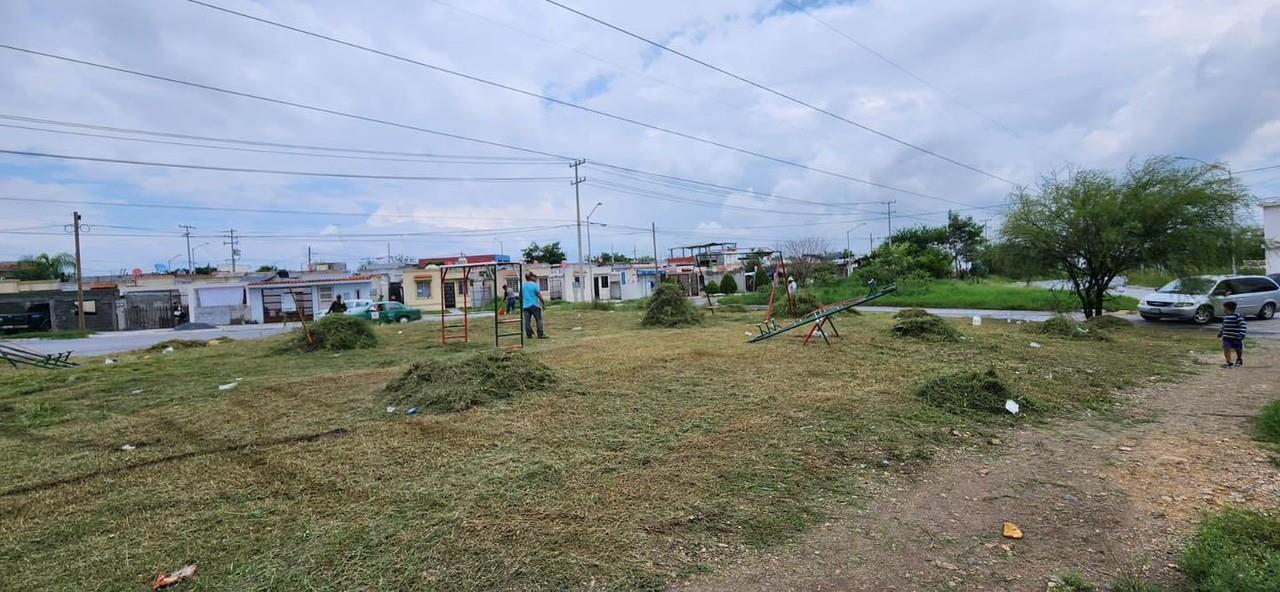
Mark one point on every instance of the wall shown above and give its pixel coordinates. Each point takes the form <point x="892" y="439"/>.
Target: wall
<point x="1271" y="229"/>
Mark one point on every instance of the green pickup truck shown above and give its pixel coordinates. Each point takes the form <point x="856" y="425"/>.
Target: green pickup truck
<point x="387" y="312"/>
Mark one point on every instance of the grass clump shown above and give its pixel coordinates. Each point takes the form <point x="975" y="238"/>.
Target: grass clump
<point x="968" y="390"/>
<point x="1234" y="551"/>
<point x="459" y="383"/>
<point x="1267" y="424"/>
<point x="926" y="328"/>
<point x="912" y="313"/>
<point x="177" y="344"/>
<point x="1106" y="323"/>
<point x="334" y="333"/>
<point x="668" y="307"/>
<point x="1067" y="328"/>
<point x="733" y="307"/>
<point x="1075" y="582"/>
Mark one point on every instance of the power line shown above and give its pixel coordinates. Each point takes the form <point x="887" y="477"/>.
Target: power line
<point x="1254" y="170"/>
<point x="571" y="104"/>
<point x="280" y="172"/>
<point x="365" y="118"/>
<point x="777" y="93"/>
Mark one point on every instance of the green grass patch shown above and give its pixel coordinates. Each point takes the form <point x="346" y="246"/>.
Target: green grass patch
<point x="460" y="383"/>
<point x="1267" y="424"/>
<point x="332" y="333"/>
<point x="1234" y="551"/>
<point x="72" y="334"/>
<point x="987" y="295"/>
<point x="969" y="390"/>
<point x="177" y="344"/>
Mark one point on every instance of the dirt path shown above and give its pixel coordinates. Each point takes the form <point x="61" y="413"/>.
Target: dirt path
<point x="1101" y="497"/>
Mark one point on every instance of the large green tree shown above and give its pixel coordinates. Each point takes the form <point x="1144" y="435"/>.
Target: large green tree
<point x="548" y="253"/>
<point x="45" y="267"/>
<point x="1093" y="226"/>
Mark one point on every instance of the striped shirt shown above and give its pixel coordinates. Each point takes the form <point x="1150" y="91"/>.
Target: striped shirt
<point x="1233" y="327"/>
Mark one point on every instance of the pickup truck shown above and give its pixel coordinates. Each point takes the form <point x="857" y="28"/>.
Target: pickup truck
<point x="16" y="319"/>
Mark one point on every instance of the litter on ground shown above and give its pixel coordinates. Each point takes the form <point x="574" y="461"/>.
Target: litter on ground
<point x="1011" y="531"/>
<point x="163" y="581"/>
<point x="127" y="447"/>
<point x="1035" y="345"/>
<point x="228" y="386"/>
<point x="1011" y="406"/>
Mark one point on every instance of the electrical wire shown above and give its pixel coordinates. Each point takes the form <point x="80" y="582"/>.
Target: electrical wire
<point x="777" y="93"/>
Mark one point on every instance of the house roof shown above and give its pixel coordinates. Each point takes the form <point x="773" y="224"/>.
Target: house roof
<point x="312" y="281"/>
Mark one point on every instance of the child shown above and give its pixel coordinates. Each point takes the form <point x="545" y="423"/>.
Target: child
<point x="1232" y="333"/>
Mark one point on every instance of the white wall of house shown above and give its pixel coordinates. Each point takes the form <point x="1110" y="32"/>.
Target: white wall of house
<point x="1271" y="230"/>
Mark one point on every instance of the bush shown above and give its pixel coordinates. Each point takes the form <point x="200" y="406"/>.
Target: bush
<point x="1268" y="423"/>
<point x="968" y="390"/>
<point x="459" y="383"/>
<point x="806" y="303"/>
<point x="1234" y="551"/>
<point x="668" y="307"/>
<point x="912" y="313"/>
<point x="926" y="328"/>
<point x="1067" y="328"/>
<point x="177" y="344"/>
<point x="334" y="332"/>
<point x="728" y="285"/>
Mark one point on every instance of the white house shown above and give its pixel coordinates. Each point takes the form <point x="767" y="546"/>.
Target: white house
<point x="280" y="300"/>
<point x="1271" y="230"/>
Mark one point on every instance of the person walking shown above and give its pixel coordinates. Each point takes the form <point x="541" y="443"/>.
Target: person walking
<point x="337" y="306"/>
<point x="533" y="304"/>
<point x="509" y="294"/>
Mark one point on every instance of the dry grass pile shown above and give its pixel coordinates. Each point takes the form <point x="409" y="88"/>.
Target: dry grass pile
<point x="176" y="344"/>
<point x="461" y="382"/>
<point x="968" y="390"/>
<point x="1107" y="323"/>
<point x="806" y="303"/>
<point x="668" y="307"/>
<point x="926" y="328"/>
<point x="912" y="313"/>
<point x="1067" y="328"/>
<point x="333" y="333"/>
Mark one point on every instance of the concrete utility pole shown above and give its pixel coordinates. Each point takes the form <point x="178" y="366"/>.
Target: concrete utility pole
<point x="657" y="273"/>
<point x="577" y="205"/>
<point x="888" y="212"/>
<point x="235" y="247"/>
<point x="186" y="232"/>
<point x="75" y="225"/>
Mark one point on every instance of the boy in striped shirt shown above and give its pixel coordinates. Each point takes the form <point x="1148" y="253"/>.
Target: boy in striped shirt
<point x="1232" y="333"/>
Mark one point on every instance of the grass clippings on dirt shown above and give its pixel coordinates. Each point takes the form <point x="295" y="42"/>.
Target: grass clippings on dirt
<point x="177" y="344"/>
<point x="1065" y="327"/>
<point x="926" y="328"/>
<point x="462" y="382"/>
<point x="669" y="308"/>
<point x="912" y="313"/>
<point x="1107" y="323"/>
<point x="1234" y="551"/>
<point x="333" y="333"/>
<point x="969" y="390"/>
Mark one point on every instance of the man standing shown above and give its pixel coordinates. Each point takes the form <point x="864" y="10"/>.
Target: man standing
<point x="338" y="306"/>
<point x="533" y="303"/>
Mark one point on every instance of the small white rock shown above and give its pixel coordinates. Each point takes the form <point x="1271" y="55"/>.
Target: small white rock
<point x="1035" y="345"/>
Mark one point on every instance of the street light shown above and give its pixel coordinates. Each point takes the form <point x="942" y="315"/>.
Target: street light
<point x="193" y="255"/>
<point x="169" y="265"/>
<point x="849" y="241"/>
<point x="501" y="250"/>
<point x="591" y="274"/>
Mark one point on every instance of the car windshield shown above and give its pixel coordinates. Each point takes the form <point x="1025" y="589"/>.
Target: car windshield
<point x="1193" y="285"/>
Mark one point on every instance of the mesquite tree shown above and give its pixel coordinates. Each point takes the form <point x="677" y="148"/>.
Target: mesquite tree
<point x="1093" y="226"/>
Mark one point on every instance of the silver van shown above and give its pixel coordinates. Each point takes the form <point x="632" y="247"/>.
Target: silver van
<point x="1200" y="298"/>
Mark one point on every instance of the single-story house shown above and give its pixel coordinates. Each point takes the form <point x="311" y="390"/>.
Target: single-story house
<point x="427" y="289"/>
<point x="283" y="299"/>
<point x="58" y="302"/>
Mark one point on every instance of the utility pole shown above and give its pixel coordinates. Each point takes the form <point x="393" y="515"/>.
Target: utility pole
<point x="75" y="225"/>
<point x="235" y="247"/>
<point x="309" y="258"/>
<point x="186" y="232"/>
<point x="888" y="212"/>
<point x="871" y="243"/>
<point x="657" y="273"/>
<point x="577" y="204"/>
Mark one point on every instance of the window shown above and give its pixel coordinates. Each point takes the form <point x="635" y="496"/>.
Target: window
<point x="90" y="307"/>
<point x="326" y="293"/>
<point x="392" y="306"/>
<point x="423" y="288"/>
<point x="542" y="284"/>
<point x="604" y="281"/>
<point x="1256" y="285"/>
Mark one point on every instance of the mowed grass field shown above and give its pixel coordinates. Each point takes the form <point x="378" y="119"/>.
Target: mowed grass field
<point x="658" y="454"/>
<point x="989" y="294"/>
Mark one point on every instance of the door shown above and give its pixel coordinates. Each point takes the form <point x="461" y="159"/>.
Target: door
<point x="281" y="305"/>
<point x="615" y="288"/>
<point x="450" y="299"/>
<point x="151" y="310"/>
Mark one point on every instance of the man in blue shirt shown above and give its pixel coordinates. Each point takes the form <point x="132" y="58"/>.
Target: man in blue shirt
<point x="532" y="303"/>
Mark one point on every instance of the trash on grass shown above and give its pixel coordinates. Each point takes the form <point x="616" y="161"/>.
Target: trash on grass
<point x="977" y="321"/>
<point x="1012" y="406"/>
<point x="163" y="581"/>
<point x="391" y="408"/>
<point x="1011" y="531"/>
<point x="228" y="386"/>
<point x="1035" y="345"/>
<point x="168" y="350"/>
<point x="108" y="361"/>
<point x="135" y="392"/>
<point x="412" y="411"/>
<point x="577" y="328"/>
<point x="127" y="447"/>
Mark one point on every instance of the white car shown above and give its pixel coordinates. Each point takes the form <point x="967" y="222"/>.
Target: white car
<point x="1199" y="299"/>
<point x="354" y="306"/>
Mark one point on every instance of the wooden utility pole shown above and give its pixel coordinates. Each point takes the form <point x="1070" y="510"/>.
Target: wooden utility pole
<point x="75" y="225"/>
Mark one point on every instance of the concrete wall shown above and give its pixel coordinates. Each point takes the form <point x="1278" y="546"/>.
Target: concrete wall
<point x="62" y="307"/>
<point x="1271" y="229"/>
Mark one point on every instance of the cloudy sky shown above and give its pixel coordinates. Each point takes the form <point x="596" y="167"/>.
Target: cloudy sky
<point x="986" y="93"/>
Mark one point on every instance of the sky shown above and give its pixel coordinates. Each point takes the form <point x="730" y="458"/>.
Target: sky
<point x="931" y="106"/>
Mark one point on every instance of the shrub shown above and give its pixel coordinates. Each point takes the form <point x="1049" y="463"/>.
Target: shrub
<point x="668" y="307"/>
<point x="1236" y="551"/>
<point x="458" y="383"/>
<point x="1268" y="423"/>
<point x="968" y="390"/>
<point x="927" y="328"/>
<point x="728" y="285"/>
<point x="176" y="344"/>
<point x="806" y="303"/>
<point x="1067" y="328"/>
<point x="334" y="333"/>
<point x="912" y="313"/>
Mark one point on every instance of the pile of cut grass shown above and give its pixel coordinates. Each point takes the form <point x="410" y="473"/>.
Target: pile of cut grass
<point x="460" y="383"/>
<point x="968" y="390"/>
<point x="177" y="344"/>
<point x="912" y="313"/>
<point x="1066" y="327"/>
<point x="926" y="328"/>
<point x="1234" y="551"/>
<point x="668" y="307"/>
<point x="1107" y="323"/>
<point x="333" y="333"/>
<point x="733" y="308"/>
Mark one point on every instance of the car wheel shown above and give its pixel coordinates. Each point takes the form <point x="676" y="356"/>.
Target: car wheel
<point x="1204" y="314"/>
<point x="1149" y="318"/>
<point x="404" y="319"/>
<point x="1268" y="311"/>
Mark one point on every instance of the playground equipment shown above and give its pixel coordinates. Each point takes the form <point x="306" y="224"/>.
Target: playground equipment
<point x="14" y="355"/>
<point x="819" y="318"/>
<point x="461" y="331"/>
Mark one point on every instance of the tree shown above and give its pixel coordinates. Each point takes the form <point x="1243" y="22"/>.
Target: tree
<point x="1093" y="227"/>
<point x="45" y="267"/>
<point x="206" y="270"/>
<point x="267" y="268"/>
<point x="608" y="258"/>
<point x="963" y="239"/>
<point x="804" y="254"/>
<point x="548" y="253"/>
<point x="728" y="285"/>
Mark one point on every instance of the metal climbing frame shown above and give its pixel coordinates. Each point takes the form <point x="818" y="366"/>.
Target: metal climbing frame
<point x="820" y="318"/>
<point x="461" y="331"/>
<point x="14" y="355"/>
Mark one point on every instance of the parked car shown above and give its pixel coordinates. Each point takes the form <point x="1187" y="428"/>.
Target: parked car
<point x="388" y="312"/>
<point x="1199" y="299"/>
<point x="16" y="319"/>
<point x="354" y="306"/>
